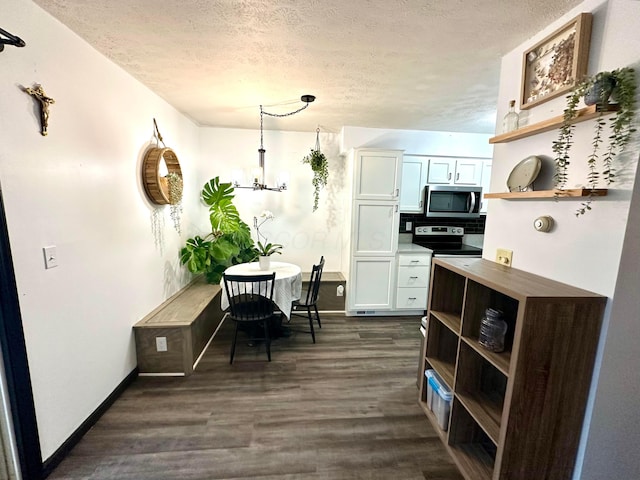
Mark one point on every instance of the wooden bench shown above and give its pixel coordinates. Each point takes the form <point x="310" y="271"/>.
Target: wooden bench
<point x="186" y="322"/>
<point x="328" y="299"/>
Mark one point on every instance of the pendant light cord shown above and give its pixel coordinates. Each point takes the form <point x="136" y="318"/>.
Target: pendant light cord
<point x="261" y="122"/>
<point x="318" y="139"/>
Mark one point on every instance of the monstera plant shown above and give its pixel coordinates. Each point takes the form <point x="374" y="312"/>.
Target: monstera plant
<point x="230" y="239"/>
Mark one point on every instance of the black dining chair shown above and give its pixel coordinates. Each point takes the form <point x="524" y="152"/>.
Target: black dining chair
<point x="309" y="298"/>
<point x="251" y="306"/>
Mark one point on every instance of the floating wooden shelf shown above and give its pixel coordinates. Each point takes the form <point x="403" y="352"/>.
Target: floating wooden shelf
<point x="572" y="193"/>
<point x="582" y="115"/>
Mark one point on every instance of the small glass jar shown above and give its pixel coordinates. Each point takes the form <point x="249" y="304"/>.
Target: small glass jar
<point x="492" y="330"/>
<point x="511" y="120"/>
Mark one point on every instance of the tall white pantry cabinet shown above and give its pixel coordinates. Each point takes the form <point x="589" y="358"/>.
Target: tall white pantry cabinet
<point x="374" y="229"/>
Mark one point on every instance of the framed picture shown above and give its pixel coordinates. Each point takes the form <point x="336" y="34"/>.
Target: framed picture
<point x="554" y="65"/>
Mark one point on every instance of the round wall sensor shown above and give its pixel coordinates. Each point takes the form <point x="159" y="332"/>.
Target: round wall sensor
<point x="543" y="224"/>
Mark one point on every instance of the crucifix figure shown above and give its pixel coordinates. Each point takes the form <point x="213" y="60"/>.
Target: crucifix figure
<point x="38" y="94"/>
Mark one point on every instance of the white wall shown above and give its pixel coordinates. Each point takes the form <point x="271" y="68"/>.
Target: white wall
<point x="79" y="189"/>
<point x="584" y="251"/>
<point x="305" y="235"/>
<point x="418" y="142"/>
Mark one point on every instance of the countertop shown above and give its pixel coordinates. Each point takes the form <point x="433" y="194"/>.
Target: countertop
<point x="412" y="248"/>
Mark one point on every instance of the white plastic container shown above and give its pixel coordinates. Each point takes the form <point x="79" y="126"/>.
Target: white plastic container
<point x="429" y="374"/>
<point x="441" y="402"/>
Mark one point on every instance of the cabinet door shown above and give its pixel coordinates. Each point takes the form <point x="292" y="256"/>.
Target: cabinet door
<point x="375" y="228"/>
<point x="486" y="184"/>
<point x="440" y="171"/>
<point x="377" y="175"/>
<point x="414" y="178"/>
<point x="370" y="286"/>
<point x="468" y="172"/>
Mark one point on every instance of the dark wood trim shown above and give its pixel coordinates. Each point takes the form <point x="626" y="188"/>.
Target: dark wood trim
<point x="54" y="460"/>
<point x="16" y="365"/>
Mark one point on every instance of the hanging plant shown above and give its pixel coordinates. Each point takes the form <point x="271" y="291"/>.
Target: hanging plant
<point x="620" y="85"/>
<point x="175" y="184"/>
<point x="320" y="168"/>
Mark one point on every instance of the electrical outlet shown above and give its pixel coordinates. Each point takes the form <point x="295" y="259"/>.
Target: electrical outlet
<point x="340" y="291"/>
<point x="504" y="256"/>
<point x="161" y="344"/>
<point x="408" y="226"/>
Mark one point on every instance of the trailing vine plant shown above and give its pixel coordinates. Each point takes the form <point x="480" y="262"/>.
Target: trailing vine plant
<point x="175" y="184"/>
<point x="320" y="168"/>
<point x="621" y="85"/>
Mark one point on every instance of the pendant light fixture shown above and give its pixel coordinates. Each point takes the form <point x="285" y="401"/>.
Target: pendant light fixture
<point x="258" y="176"/>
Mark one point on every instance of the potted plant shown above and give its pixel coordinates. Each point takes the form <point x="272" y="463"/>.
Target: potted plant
<point x="620" y="86"/>
<point x="229" y="242"/>
<point x="266" y="249"/>
<point x="320" y="168"/>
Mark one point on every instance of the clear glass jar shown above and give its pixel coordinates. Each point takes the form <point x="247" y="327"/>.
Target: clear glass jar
<point x="511" y="119"/>
<point x="492" y="330"/>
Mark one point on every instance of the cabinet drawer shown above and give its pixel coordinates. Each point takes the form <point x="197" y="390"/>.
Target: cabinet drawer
<point x="413" y="298"/>
<point x="413" y="277"/>
<point x="417" y="260"/>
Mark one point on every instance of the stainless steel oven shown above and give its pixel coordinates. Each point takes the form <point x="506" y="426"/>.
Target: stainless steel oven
<point x="452" y="202"/>
<point x="445" y="241"/>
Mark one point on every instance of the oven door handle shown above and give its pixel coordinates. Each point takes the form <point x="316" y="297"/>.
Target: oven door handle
<point x="472" y="201"/>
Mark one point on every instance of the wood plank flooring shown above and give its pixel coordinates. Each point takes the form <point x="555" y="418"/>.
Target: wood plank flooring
<point x="344" y="408"/>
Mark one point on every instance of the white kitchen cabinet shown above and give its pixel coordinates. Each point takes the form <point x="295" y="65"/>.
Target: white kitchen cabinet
<point x="414" y="179"/>
<point x="375" y="228"/>
<point x="454" y="171"/>
<point x="413" y="281"/>
<point x="371" y="284"/>
<point x="441" y="171"/>
<point x="485" y="183"/>
<point x="377" y="174"/>
<point x="375" y="215"/>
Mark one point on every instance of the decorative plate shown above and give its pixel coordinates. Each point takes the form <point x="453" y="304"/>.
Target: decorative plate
<point x="524" y="174"/>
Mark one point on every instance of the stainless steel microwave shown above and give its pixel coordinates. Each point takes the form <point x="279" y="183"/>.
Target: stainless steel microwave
<point x="451" y="201"/>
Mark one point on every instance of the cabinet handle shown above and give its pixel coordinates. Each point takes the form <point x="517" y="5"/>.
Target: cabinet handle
<point x="413" y="277"/>
<point x="449" y="177"/>
<point x="397" y="192"/>
<point x="396" y="208"/>
<point x="415" y="261"/>
<point x="420" y="204"/>
<point x="412" y="298"/>
<point x="457" y="177"/>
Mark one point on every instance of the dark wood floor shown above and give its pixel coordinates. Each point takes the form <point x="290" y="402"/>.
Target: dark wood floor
<point x="344" y="408"/>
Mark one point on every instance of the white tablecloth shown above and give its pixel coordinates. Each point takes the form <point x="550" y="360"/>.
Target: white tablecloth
<point x="288" y="282"/>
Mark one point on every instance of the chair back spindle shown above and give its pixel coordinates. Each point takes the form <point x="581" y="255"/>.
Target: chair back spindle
<point x="314" y="283"/>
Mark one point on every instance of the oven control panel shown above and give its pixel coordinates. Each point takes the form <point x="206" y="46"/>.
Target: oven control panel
<point x="424" y="231"/>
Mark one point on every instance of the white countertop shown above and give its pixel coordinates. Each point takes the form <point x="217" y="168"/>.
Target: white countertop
<point x="412" y="248"/>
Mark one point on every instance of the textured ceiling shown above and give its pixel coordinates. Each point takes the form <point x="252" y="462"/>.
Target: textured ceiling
<point x="406" y="64"/>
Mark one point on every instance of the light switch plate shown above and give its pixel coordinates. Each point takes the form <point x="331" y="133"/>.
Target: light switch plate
<point x="50" y="257"/>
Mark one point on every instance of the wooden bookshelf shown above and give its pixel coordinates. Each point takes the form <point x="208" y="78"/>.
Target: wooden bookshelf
<point x="582" y="115"/>
<point x="521" y="410"/>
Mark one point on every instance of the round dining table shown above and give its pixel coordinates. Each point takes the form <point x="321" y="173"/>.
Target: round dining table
<point x="288" y="285"/>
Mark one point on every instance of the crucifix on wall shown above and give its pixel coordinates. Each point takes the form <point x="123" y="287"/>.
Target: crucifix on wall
<point x="44" y="101"/>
